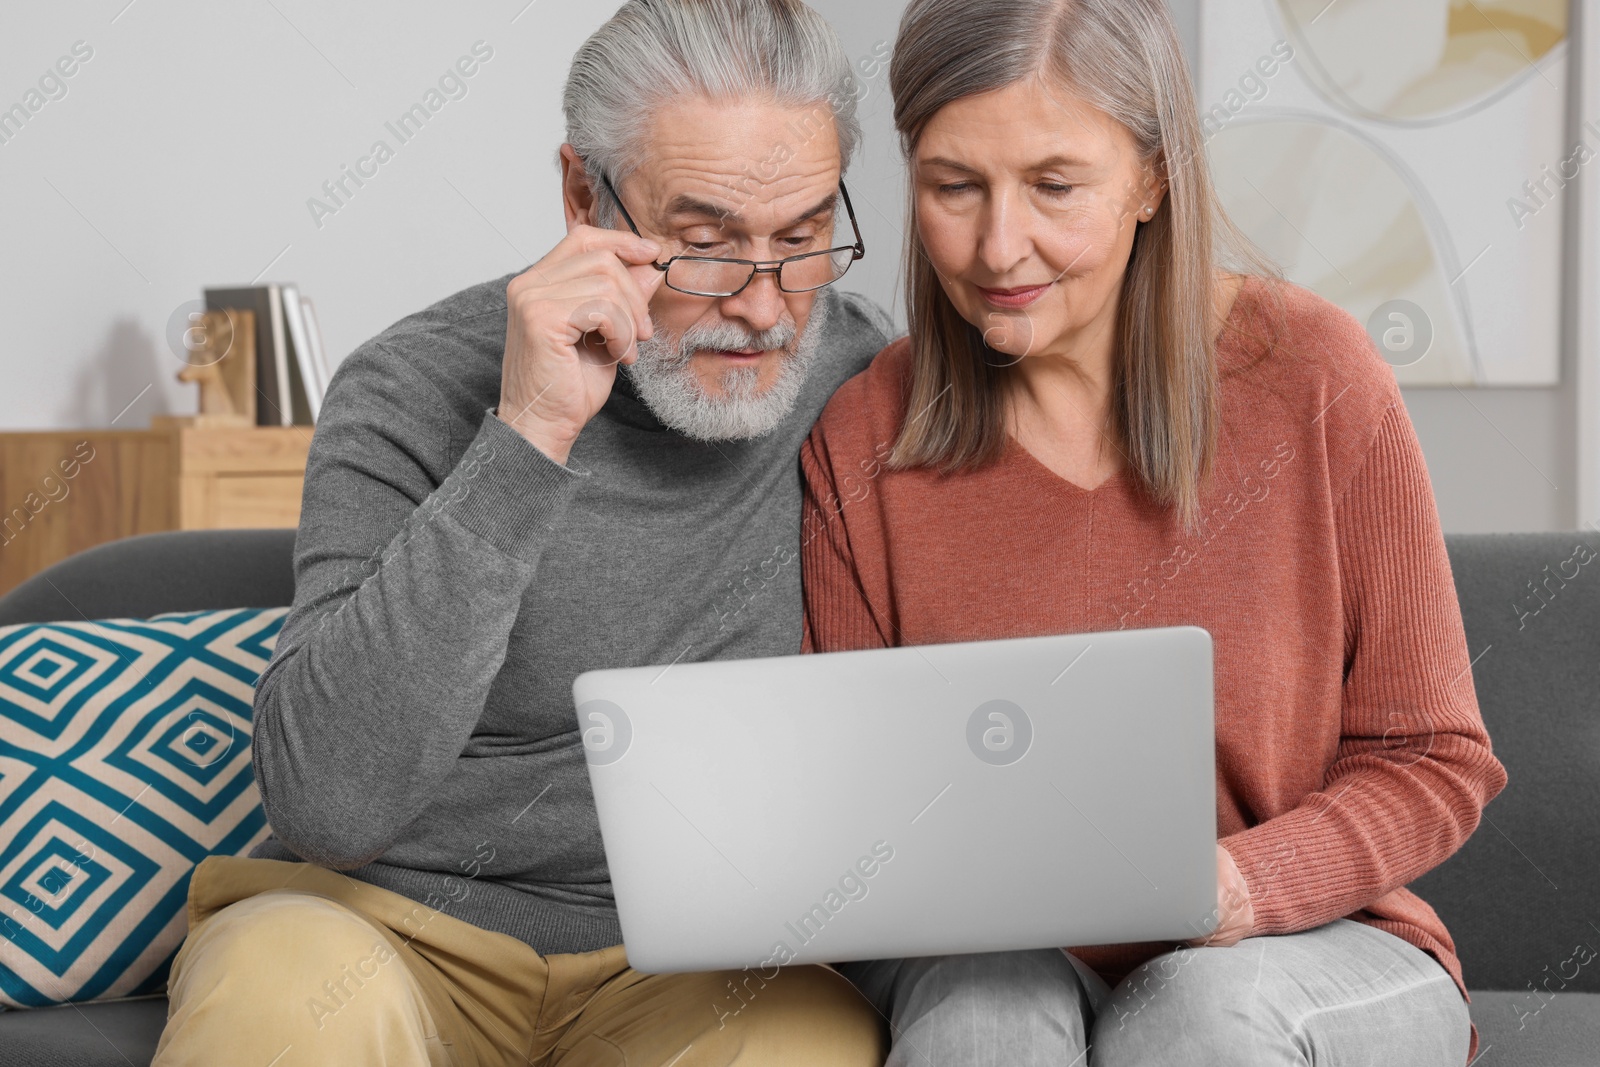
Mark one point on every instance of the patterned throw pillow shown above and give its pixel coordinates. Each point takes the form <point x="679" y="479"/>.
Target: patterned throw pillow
<point x="124" y="761"/>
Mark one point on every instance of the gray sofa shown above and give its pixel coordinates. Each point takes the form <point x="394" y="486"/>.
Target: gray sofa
<point x="1522" y="898"/>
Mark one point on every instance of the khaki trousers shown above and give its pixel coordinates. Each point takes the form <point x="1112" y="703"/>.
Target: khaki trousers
<point x="290" y="964"/>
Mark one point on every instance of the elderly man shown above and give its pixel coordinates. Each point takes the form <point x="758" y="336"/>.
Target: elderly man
<point x="591" y="464"/>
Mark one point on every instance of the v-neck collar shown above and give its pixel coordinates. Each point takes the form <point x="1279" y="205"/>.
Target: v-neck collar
<point x="1018" y="457"/>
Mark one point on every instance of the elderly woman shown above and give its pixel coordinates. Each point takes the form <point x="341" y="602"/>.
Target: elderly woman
<point x="1093" y="426"/>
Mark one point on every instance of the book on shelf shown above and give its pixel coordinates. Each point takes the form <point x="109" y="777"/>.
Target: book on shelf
<point x="294" y="321"/>
<point x="319" y="355"/>
<point x="289" y="380"/>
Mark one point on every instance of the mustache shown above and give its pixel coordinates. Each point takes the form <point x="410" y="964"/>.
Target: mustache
<point x="730" y="337"/>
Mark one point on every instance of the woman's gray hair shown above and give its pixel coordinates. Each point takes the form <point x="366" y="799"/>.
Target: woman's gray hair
<point x="1123" y="57"/>
<point x="652" y="51"/>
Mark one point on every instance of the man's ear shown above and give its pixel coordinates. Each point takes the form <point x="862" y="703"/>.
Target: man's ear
<point x="576" y="196"/>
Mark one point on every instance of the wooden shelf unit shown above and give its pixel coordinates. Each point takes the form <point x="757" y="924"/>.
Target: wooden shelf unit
<point x="173" y="476"/>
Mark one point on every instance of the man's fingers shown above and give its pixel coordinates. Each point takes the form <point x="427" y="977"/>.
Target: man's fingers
<point x="558" y="275"/>
<point x="599" y="275"/>
<point x="640" y="252"/>
<point x="647" y="281"/>
<point x="636" y="284"/>
<point x="627" y="245"/>
<point x="565" y="261"/>
<point x="593" y="275"/>
<point x="650" y="279"/>
<point x="612" y="323"/>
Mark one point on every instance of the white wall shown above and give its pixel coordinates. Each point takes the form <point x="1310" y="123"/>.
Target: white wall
<point x="1586" y="225"/>
<point x="185" y="150"/>
<point x="1508" y="459"/>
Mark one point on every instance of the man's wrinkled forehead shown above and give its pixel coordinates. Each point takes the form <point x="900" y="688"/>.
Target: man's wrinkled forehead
<point x="744" y="165"/>
<point x="688" y="210"/>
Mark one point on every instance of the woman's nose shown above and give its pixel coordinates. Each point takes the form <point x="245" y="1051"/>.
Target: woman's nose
<point x="1003" y="240"/>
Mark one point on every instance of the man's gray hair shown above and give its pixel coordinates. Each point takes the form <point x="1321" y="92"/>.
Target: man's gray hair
<point x="652" y="51"/>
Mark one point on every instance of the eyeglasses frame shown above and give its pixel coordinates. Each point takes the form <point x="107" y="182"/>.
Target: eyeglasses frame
<point x="759" y="267"/>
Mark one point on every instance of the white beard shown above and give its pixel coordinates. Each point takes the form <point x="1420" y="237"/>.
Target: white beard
<point x="669" y="388"/>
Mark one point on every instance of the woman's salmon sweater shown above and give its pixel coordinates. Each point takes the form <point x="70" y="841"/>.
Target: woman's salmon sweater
<point x="1351" y="756"/>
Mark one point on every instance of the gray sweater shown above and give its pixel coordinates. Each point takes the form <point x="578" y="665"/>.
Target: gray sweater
<point x="415" y="727"/>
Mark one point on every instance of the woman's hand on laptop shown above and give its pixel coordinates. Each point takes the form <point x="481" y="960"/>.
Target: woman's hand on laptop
<point x="1236" y="917"/>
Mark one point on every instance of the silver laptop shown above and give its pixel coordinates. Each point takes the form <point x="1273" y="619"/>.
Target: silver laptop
<point x="986" y="796"/>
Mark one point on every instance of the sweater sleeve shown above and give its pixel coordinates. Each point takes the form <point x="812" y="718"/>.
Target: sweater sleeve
<point x="839" y="616"/>
<point x="410" y="567"/>
<point x="1413" y="768"/>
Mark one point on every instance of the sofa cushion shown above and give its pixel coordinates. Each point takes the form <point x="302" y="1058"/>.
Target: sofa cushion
<point x="119" y="1033"/>
<point x="1524" y="1030"/>
<point x="160" y="573"/>
<point x="1513" y="1032"/>
<point x="124" y="761"/>
<point x="1519" y="898"/>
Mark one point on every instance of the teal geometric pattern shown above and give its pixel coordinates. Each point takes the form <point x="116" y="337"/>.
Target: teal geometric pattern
<point x="124" y="761"/>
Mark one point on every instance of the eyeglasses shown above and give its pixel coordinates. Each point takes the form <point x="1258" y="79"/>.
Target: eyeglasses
<point x="705" y="276"/>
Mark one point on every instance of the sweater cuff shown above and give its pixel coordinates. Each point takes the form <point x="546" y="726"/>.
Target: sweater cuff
<point x="507" y="491"/>
<point x="1283" y="869"/>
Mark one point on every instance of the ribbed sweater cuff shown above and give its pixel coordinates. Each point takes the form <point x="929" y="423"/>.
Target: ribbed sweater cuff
<point x="1292" y="874"/>
<point x="507" y="491"/>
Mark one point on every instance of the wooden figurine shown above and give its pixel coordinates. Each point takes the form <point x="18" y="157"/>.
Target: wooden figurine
<point x="223" y="364"/>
